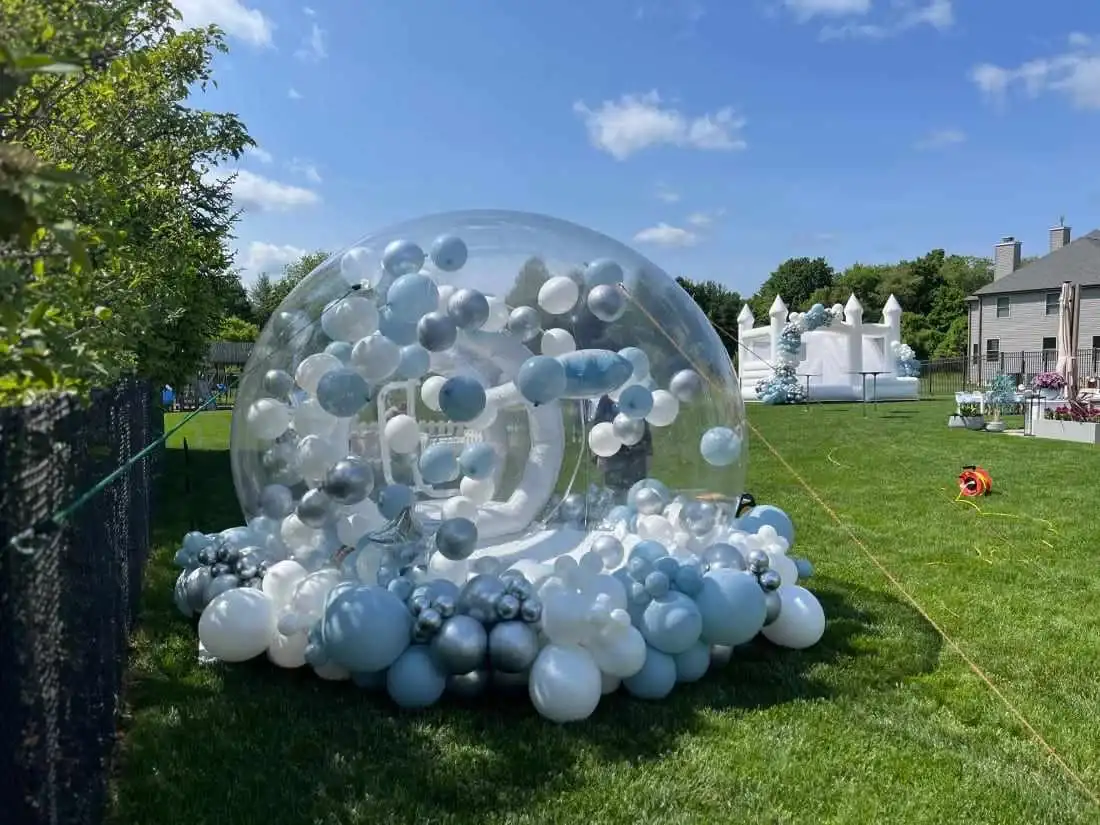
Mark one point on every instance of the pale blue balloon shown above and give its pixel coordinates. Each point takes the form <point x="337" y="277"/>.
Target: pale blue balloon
<point x="415" y="681"/>
<point x="365" y="628"/>
<point x="240" y="537"/>
<point x="720" y="446"/>
<point x="541" y="379"/>
<point x="412" y="296"/>
<point x="608" y="303"/>
<point x="657" y="677"/>
<point x="636" y="402"/>
<point x="638" y="359"/>
<point x="194" y="541"/>
<point x="524" y="323"/>
<point x="462" y="398"/>
<point x="732" y="606"/>
<point x="415" y="362"/>
<point x="468" y="308"/>
<point x="657" y="585"/>
<point x="436" y="332"/>
<point x="400" y="332"/>
<point x="767" y="514"/>
<point x="689" y="579"/>
<point x="370" y="680"/>
<point x="590" y="373"/>
<point x="603" y="272"/>
<point x="342" y="392"/>
<point x="340" y="349"/>
<point x="439" y="464"/>
<point x="652" y="483"/>
<point x="456" y="538"/>
<point x="402" y="257"/>
<point x="478" y="460"/>
<point x="394" y="499"/>
<point x="671" y="623"/>
<point x="805" y="567"/>
<point x="693" y="664"/>
<point x="449" y="253"/>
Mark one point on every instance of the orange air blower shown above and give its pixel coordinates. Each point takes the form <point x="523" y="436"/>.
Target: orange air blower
<point x="975" y="481"/>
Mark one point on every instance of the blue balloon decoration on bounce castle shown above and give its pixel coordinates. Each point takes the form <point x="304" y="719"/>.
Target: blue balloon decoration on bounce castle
<point x="783" y="387"/>
<point x="489" y="451"/>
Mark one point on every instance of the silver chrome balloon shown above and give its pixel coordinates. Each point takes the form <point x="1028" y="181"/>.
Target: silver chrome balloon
<point x="460" y="645"/>
<point x="513" y="647"/>
<point x="722" y="555"/>
<point x="349" y="480"/>
<point x="773" y="604"/>
<point x="478" y="598"/>
<point x="758" y="561"/>
<point x="316" y="509"/>
<point x="468" y="685"/>
<point x="770" y="580"/>
<point x="508" y="607"/>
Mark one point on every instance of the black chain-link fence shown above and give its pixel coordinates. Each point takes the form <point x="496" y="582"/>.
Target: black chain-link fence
<point x="69" y="596"/>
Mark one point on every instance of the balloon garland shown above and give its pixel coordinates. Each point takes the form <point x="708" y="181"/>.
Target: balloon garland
<point x="783" y="386"/>
<point x="907" y="364"/>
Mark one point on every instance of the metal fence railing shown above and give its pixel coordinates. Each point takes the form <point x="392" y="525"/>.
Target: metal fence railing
<point x="69" y="595"/>
<point x="946" y="376"/>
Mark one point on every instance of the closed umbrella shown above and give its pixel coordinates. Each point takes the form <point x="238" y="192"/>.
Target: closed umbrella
<point x="1068" y="322"/>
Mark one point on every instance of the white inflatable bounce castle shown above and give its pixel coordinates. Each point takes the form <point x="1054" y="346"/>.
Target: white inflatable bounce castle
<point x="836" y="360"/>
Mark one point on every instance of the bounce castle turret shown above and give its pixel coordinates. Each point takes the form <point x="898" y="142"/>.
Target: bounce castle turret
<point x="833" y="358"/>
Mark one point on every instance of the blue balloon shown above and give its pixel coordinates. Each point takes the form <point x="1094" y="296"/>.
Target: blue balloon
<point x="693" y="664"/>
<point x="590" y="373"/>
<point x="342" y="392"/>
<point x="636" y="402"/>
<point x="415" y="362"/>
<point x="478" y="460"/>
<point x="805" y="567"/>
<point x="672" y="623"/>
<point x="341" y="349"/>
<point x="436" y="332"/>
<point x="449" y="253"/>
<point x="415" y="681"/>
<point x="400" y="332"/>
<point x="689" y="579"/>
<point x="603" y="272"/>
<point x="462" y="398"/>
<point x="763" y="514"/>
<point x="541" y="379"/>
<point x="402" y="257"/>
<point x="369" y="680"/>
<point x="638" y="359"/>
<point x="657" y="677"/>
<point x="393" y="499"/>
<point x="732" y="607"/>
<point x="365" y="628"/>
<point x="621" y="513"/>
<point x="657" y="585"/>
<point x="412" y="296"/>
<point x="720" y="446"/>
<point x="439" y="464"/>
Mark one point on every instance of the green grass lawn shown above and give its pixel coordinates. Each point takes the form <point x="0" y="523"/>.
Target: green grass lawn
<point x="885" y="721"/>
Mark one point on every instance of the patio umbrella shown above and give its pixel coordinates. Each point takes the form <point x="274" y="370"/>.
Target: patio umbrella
<point x="1068" y="322"/>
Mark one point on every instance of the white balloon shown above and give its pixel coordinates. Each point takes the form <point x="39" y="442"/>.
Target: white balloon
<point x="557" y="342"/>
<point x="308" y="601"/>
<point x="349" y="318"/>
<point x="351" y="528"/>
<point x="316" y="455"/>
<point x="460" y="507"/>
<point x="310" y="418"/>
<point x="665" y="409"/>
<point x="605" y="585"/>
<point x="429" y="391"/>
<point x="767" y="533"/>
<point x="268" y="418"/>
<point x="299" y="538"/>
<point x="313" y="369"/>
<point x="375" y="357"/>
<point x="656" y="528"/>
<point x="603" y="441"/>
<point x="801" y="621"/>
<point x="281" y="579"/>
<point x="565" y="684"/>
<point x="559" y="295"/>
<point x="564" y="615"/>
<point x="402" y="434"/>
<point x="238" y="624"/>
<point x="619" y="651"/>
<point x="784" y="566"/>
<point x="479" y="491"/>
<point x="288" y="651"/>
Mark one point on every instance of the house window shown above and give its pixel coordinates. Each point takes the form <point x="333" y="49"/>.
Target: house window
<point x="992" y="349"/>
<point x="1050" y="343"/>
<point x="1054" y="300"/>
<point x="976" y="351"/>
<point x="1096" y="342"/>
<point x="1002" y="306"/>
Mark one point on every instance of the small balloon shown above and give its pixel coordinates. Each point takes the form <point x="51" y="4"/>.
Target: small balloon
<point x="439" y="464"/>
<point x="468" y="308"/>
<point x="557" y="342"/>
<point x="436" y="332"/>
<point x="478" y="460"/>
<point x="375" y="357"/>
<point x="541" y="379"/>
<point x="462" y="398"/>
<point x="456" y="538"/>
<point x="524" y="323"/>
<point x="686" y="385"/>
<point x="342" y="392"/>
<point x="429" y="391"/>
<point x="720" y="446"/>
<point x="558" y="295"/>
<point x="606" y="302"/>
<point x="449" y="253"/>
<point x="401" y="258"/>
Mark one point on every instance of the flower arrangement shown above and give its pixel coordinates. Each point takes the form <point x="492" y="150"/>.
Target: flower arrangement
<point x="1080" y="413"/>
<point x="1048" y="381"/>
<point x="907" y="364"/>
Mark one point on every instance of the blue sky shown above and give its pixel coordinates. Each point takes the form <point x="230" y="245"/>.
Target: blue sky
<point x="718" y="138"/>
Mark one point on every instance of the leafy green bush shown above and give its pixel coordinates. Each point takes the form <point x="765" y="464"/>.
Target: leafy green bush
<point x="238" y="329"/>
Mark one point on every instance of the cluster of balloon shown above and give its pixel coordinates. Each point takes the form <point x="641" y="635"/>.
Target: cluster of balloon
<point x="783" y="386"/>
<point x="398" y="546"/>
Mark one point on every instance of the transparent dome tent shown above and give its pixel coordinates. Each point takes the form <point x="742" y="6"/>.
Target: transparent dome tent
<point x="408" y="377"/>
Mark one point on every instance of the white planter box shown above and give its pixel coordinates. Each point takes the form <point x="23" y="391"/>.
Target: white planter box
<point x="1067" y="430"/>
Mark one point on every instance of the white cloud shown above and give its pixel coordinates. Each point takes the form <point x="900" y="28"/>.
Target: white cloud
<point x="941" y="139"/>
<point x="903" y="16"/>
<point x="294" y="94"/>
<point x="313" y="47"/>
<point x="665" y="235"/>
<point x="700" y="219"/>
<point x="262" y="155"/>
<point x="1074" y="74"/>
<point x="257" y="192"/>
<point x="636" y="122"/>
<point x="262" y="257"/>
<point x="306" y="169"/>
<point x="308" y="11"/>
<point x="237" y="19"/>
<point x="808" y="9"/>
<point x="667" y="195"/>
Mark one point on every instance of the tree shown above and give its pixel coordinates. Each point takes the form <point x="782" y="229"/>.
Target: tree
<point x="232" y="296"/>
<point x="794" y="280"/>
<point x="953" y="344"/>
<point x="720" y="305"/>
<point x="238" y="329"/>
<point x="145" y="163"/>
<point x="266" y="295"/>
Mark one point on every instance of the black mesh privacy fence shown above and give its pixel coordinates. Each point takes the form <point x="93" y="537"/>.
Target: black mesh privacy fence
<point x="69" y="598"/>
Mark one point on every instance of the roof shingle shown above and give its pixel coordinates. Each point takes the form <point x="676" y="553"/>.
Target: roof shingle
<point x="1078" y="261"/>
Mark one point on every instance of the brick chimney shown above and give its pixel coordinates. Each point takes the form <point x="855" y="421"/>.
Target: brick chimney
<point x="1059" y="237"/>
<point x="1006" y="257"/>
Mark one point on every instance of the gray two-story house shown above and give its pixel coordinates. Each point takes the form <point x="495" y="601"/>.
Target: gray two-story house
<point x="1013" y="321"/>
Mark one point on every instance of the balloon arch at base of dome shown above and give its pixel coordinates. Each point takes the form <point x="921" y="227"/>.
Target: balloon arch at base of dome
<point x="493" y="449"/>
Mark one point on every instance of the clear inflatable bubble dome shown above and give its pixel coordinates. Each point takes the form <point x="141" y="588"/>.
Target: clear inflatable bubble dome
<point x="467" y="392"/>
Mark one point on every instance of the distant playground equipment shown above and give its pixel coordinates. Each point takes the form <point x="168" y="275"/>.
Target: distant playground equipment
<point x="975" y="481"/>
<point x="846" y="361"/>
